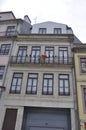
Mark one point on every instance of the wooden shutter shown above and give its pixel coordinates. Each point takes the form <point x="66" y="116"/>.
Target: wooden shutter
<point x="10" y="119"/>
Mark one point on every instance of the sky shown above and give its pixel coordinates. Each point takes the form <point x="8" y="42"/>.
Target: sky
<point x="69" y="12"/>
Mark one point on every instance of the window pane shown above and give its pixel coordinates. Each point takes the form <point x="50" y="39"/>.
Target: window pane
<point x="19" y="82"/>
<point x="61" y="83"/>
<point x="50" y="82"/>
<point x="14" y="81"/>
<point x="29" y="82"/>
<point x="66" y="83"/>
<point x="34" y="82"/>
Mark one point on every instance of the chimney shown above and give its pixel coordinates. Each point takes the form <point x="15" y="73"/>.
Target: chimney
<point x="26" y="18"/>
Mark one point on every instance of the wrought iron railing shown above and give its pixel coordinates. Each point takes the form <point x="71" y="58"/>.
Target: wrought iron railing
<point x="8" y="33"/>
<point x="38" y="60"/>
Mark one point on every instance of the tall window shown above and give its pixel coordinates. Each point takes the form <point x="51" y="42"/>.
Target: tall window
<point x="10" y="31"/>
<point x="16" y="83"/>
<point x="42" y="30"/>
<point x="35" y="55"/>
<point x="49" y="52"/>
<point x="84" y="90"/>
<point x="4" y="50"/>
<point x="1" y="72"/>
<point x="63" y="55"/>
<point x="21" y="56"/>
<point x="57" y="31"/>
<point x="83" y="64"/>
<point x="47" y="84"/>
<point x="32" y="84"/>
<point x="64" y="88"/>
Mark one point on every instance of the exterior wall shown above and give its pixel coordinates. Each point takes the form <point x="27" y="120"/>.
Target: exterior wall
<point x="80" y="82"/>
<point x="20" y="100"/>
<point x="50" y="26"/>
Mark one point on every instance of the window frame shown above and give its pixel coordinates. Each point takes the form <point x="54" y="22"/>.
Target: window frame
<point x="50" y="58"/>
<point x="64" y="79"/>
<point x="22" y="58"/>
<point x="82" y="62"/>
<point x="6" y="49"/>
<point x="57" y="30"/>
<point x="32" y="80"/>
<point x="10" y="30"/>
<point x="42" y="30"/>
<point x="62" y="58"/>
<point x="34" y="58"/>
<point x="47" y="92"/>
<point x="15" y="77"/>
<point x="2" y="73"/>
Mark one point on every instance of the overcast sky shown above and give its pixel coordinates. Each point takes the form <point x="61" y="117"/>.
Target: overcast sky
<point x="70" y="12"/>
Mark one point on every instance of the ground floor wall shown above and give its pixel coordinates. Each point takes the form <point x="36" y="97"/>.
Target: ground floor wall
<point x="19" y="123"/>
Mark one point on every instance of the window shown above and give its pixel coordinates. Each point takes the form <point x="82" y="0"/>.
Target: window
<point x="35" y="55"/>
<point x="64" y="88"/>
<point x="32" y="84"/>
<point x="21" y="56"/>
<point x="47" y="84"/>
<point x="49" y="52"/>
<point x="57" y="31"/>
<point x="5" y="49"/>
<point x="63" y="55"/>
<point x="16" y="83"/>
<point x="83" y="65"/>
<point x="1" y="72"/>
<point x="10" y="31"/>
<point x="42" y="30"/>
<point x="84" y="91"/>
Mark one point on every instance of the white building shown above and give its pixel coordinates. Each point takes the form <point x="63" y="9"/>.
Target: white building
<point x="40" y="88"/>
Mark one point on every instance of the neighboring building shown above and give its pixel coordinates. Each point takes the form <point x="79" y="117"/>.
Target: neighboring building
<point x="80" y="73"/>
<point x="10" y="27"/>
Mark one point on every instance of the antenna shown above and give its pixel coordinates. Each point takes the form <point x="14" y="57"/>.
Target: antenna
<point x="35" y="20"/>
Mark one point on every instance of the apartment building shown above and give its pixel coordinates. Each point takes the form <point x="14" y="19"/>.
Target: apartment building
<point x="80" y="72"/>
<point x="10" y="27"/>
<point x="39" y="77"/>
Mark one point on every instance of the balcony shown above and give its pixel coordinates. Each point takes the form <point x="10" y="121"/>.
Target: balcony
<point x="29" y="60"/>
<point x="8" y="33"/>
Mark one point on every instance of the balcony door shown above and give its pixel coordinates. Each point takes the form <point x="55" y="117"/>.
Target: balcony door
<point x="35" y="55"/>
<point x="63" y="55"/>
<point x="21" y="56"/>
<point x="49" y="52"/>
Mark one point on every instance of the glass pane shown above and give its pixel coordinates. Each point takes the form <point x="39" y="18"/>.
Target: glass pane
<point x="48" y="76"/>
<point x="34" y="82"/>
<point x="61" y="90"/>
<point x="29" y="88"/>
<point x="20" y="53"/>
<point x="18" y="89"/>
<point x="34" y="89"/>
<point x="66" y="90"/>
<point x="30" y="82"/>
<point x="50" y="82"/>
<point x="33" y="75"/>
<point x="13" y="88"/>
<point x="14" y="81"/>
<point x="64" y="76"/>
<point x="24" y="53"/>
<point x="45" y="82"/>
<point x="19" y="82"/>
<point x="66" y="83"/>
<point x="44" y="89"/>
<point x="50" y="90"/>
<point x="61" y="83"/>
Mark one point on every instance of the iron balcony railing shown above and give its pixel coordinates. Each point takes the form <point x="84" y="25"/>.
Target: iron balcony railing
<point x="39" y="60"/>
<point x="8" y="33"/>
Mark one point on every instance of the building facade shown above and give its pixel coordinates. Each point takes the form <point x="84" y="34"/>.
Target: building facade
<point x="40" y="79"/>
<point x="80" y="72"/>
